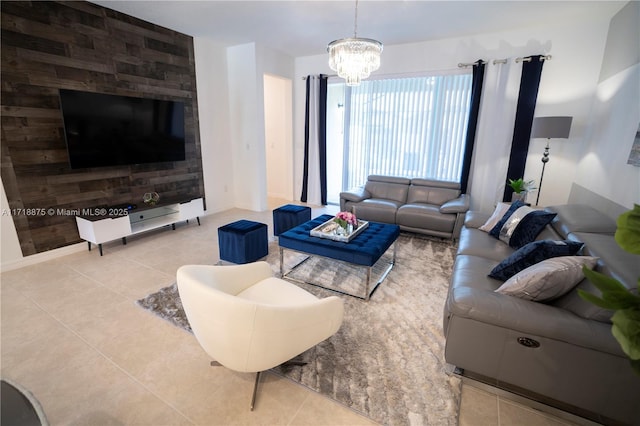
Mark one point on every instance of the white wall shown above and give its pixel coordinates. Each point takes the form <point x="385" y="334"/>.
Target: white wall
<point x="213" y="117"/>
<point x="615" y="118"/>
<point x="603" y="168"/>
<point x="10" y="249"/>
<point x="567" y="87"/>
<point x="247" y="65"/>
<point x="278" y="135"/>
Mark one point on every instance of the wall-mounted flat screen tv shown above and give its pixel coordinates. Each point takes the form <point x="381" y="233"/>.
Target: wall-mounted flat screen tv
<point x="109" y="130"/>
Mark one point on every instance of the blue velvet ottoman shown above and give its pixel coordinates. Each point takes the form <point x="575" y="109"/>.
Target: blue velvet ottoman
<point x="243" y="241"/>
<point x="289" y="216"/>
<point x="363" y="251"/>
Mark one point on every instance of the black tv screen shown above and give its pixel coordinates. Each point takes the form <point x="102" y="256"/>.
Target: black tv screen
<point x="110" y="130"/>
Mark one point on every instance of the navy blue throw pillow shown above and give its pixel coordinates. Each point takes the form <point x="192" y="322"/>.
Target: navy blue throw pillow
<point x="529" y="227"/>
<point x="495" y="231"/>
<point x="531" y="254"/>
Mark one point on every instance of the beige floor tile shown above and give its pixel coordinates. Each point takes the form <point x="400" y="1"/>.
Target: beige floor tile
<point x="515" y="414"/>
<point x="33" y="275"/>
<point x="318" y="410"/>
<point x="276" y="403"/>
<point x="478" y="408"/>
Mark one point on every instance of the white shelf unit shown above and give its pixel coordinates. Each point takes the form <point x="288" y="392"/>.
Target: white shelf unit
<point x="102" y="230"/>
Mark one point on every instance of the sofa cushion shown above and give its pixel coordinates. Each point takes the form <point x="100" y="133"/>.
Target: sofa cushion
<point x="479" y="243"/>
<point x="548" y="279"/>
<point x="533" y="253"/>
<point x="388" y="188"/>
<point x="428" y="216"/>
<point x="432" y="192"/>
<point x="377" y="210"/>
<point x="580" y="218"/>
<point x="524" y="225"/>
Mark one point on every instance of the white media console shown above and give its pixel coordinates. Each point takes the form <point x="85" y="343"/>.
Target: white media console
<point x="114" y="225"/>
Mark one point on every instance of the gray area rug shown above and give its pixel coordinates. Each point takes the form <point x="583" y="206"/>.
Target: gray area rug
<point x="387" y="359"/>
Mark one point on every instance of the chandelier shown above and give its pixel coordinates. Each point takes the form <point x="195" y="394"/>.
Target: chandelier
<point x="354" y="58"/>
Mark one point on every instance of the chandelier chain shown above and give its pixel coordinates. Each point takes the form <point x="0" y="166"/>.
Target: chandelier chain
<point x="355" y="22"/>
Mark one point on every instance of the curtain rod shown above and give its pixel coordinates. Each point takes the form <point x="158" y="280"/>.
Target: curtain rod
<point x="304" y="77"/>
<point x="461" y="65"/>
<point x="528" y="58"/>
<point x="494" y="62"/>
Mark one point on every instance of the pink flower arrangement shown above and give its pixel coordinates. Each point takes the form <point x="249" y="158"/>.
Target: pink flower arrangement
<point x="344" y="218"/>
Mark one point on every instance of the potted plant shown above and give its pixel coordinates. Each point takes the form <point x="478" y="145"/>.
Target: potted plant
<point x="520" y="188"/>
<point x="626" y="305"/>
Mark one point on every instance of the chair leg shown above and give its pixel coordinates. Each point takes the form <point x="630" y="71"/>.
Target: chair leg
<point x="295" y="361"/>
<point x="255" y="390"/>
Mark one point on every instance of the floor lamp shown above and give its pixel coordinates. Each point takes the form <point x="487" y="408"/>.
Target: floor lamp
<point x="549" y="127"/>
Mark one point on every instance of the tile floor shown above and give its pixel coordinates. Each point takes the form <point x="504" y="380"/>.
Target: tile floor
<point x="72" y="335"/>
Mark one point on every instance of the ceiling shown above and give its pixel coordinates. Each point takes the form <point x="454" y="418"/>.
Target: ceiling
<point x="302" y="28"/>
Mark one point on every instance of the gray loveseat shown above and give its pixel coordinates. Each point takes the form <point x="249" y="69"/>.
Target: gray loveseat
<point x="578" y="365"/>
<point x="418" y="205"/>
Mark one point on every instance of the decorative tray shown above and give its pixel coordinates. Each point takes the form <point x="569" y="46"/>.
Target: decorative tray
<point x="329" y="230"/>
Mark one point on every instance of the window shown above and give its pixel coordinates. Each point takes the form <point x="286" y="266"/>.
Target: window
<point x="414" y="127"/>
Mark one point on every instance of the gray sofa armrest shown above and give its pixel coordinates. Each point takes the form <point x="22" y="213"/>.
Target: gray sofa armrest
<point x="475" y="219"/>
<point x="457" y="205"/>
<point x="355" y="195"/>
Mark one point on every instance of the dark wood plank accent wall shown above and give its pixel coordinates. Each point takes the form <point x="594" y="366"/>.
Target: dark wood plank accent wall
<point x="48" y="46"/>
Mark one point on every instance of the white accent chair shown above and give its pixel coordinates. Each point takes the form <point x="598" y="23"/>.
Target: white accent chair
<point x="249" y="321"/>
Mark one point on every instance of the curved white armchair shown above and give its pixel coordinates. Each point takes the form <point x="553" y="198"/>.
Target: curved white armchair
<point x="249" y="321"/>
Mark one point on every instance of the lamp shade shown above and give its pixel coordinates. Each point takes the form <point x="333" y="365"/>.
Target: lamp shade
<point x="551" y="127"/>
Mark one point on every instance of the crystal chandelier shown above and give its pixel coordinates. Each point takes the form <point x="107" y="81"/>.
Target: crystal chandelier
<point x="354" y="58"/>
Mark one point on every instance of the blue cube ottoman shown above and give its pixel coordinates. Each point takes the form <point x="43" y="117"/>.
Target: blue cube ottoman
<point x="289" y="216"/>
<point x="243" y="241"/>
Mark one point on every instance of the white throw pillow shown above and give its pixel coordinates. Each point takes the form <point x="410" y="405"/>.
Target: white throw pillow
<point x="500" y="210"/>
<point x="548" y="279"/>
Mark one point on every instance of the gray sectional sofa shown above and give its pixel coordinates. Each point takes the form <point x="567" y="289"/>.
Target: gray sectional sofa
<point x="418" y="205"/>
<point x="561" y="351"/>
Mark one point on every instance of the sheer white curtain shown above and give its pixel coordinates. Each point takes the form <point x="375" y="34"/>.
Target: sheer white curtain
<point x="412" y="127"/>
<point x="494" y="135"/>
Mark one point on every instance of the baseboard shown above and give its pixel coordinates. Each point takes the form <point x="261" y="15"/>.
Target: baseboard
<point x="42" y="257"/>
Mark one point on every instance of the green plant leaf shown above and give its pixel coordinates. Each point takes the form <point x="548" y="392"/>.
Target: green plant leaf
<point x="592" y="298"/>
<point x="628" y="232"/>
<point x="517" y="185"/>
<point x="614" y="294"/>
<point x="606" y="284"/>
<point x="603" y="282"/>
<point x="626" y="330"/>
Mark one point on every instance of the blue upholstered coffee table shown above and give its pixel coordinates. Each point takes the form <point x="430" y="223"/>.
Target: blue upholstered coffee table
<point x="364" y="250"/>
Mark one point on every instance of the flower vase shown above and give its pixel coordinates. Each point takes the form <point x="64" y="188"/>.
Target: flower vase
<point x="349" y="229"/>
